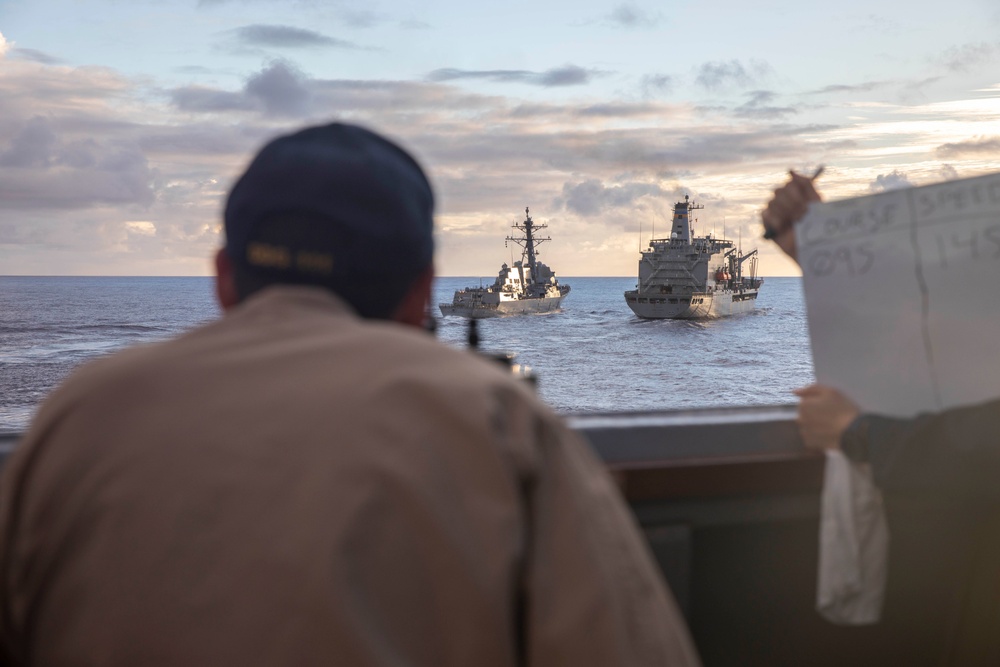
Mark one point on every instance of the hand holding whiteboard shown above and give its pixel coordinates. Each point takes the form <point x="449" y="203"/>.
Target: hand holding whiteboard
<point x="903" y="295"/>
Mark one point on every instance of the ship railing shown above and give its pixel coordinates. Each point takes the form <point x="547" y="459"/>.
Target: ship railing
<point x="729" y="502"/>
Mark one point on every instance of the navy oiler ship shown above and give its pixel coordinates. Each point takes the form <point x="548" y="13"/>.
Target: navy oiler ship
<point x="685" y="277"/>
<point x="527" y="287"/>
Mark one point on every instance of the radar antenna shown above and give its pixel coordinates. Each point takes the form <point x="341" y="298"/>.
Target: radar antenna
<point x="529" y="241"/>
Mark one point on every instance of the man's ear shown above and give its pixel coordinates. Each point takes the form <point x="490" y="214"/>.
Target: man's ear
<point x="225" y="281"/>
<point x="413" y="308"/>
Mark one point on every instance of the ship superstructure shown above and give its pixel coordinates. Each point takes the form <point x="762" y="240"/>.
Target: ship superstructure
<point x="529" y="286"/>
<point x="688" y="277"/>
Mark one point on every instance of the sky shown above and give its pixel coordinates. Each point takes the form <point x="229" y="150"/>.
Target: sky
<point x="123" y="123"/>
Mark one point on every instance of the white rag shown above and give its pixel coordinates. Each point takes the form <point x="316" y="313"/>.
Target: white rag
<point x="853" y="544"/>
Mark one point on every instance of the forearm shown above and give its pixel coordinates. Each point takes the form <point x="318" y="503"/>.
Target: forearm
<point x="956" y="451"/>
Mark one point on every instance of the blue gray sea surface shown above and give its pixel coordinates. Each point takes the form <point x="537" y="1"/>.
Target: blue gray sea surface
<point x="592" y="356"/>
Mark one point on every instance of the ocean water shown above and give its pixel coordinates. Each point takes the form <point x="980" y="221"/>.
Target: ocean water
<point x="592" y="356"/>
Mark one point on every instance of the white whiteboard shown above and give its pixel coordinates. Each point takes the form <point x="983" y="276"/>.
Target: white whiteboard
<point x="903" y="295"/>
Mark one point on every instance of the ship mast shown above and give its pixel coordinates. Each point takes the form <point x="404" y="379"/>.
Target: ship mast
<point x="682" y="221"/>
<point x="529" y="241"/>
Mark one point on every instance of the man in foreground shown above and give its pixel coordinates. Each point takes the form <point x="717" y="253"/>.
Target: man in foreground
<point x="314" y="480"/>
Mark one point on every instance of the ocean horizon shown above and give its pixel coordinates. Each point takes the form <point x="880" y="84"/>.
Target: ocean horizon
<point x="594" y="355"/>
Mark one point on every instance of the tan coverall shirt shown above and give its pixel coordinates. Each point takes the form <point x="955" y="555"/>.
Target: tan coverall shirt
<point x="292" y="485"/>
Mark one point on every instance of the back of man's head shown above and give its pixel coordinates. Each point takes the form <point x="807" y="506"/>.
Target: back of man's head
<point x="335" y="206"/>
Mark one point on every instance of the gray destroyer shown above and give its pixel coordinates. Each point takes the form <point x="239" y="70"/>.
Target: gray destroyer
<point x="528" y="286"/>
<point x="685" y="277"/>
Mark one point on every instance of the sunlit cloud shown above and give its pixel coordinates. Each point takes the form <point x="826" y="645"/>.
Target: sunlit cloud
<point x="979" y="146"/>
<point x="143" y="227"/>
<point x="82" y="155"/>
<point x="599" y="118"/>
<point x="894" y="180"/>
<point x="93" y="160"/>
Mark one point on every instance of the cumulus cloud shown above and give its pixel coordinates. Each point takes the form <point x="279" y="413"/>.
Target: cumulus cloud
<point x="591" y="197"/>
<point x="894" y="180"/>
<point x="4" y="45"/>
<point x="568" y="75"/>
<point x="973" y="147"/>
<point x="281" y="90"/>
<point x="645" y="151"/>
<point x="716" y="76"/>
<point x="277" y="90"/>
<point x="629" y="15"/>
<point x="283" y="36"/>
<point x="31" y="147"/>
<point x="76" y="163"/>
<point x="948" y="172"/>
<point x="458" y="132"/>
<point x="90" y="147"/>
<point x="40" y="169"/>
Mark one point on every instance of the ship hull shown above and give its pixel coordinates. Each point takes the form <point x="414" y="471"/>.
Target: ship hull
<point x="503" y="308"/>
<point x="721" y="303"/>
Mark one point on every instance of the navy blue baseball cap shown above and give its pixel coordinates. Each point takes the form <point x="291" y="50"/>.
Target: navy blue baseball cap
<point x="331" y="205"/>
